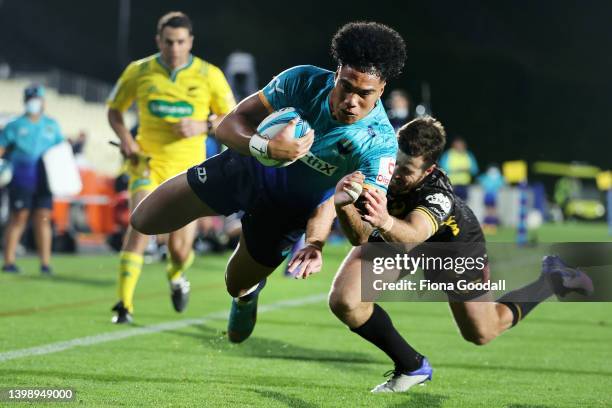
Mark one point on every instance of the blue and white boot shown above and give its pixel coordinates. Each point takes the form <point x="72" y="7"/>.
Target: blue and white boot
<point x="403" y="381"/>
<point x="565" y="279"/>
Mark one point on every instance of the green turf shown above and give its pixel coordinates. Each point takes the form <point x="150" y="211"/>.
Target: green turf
<point x="298" y="356"/>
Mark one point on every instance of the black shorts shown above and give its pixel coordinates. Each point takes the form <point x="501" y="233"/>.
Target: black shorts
<point x="27" y="199"/>
<point x="226" y="184"/>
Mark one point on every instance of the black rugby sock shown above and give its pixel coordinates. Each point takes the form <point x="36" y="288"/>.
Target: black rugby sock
<point x="525" y="299"/>
<point x="379" y="330"/>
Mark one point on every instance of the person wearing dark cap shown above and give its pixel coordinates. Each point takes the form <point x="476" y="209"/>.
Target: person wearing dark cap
<point x="23" y="142"/>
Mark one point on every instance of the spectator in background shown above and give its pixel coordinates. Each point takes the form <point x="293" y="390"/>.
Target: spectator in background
<point x="24" y="141"/>
<point x="491" y="181"/>
<point x="78" y="143"/>
<point x="398" y="108"/>
<point x="78" y="149"/>
<point x="241" y="74"/>
<point x="460" y="166"/>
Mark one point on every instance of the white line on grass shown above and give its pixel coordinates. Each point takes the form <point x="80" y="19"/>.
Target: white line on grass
<point x="156" y="328"/>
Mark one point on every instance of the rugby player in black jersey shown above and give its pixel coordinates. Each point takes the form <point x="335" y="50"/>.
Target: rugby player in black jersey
<point x="421" y="207"/>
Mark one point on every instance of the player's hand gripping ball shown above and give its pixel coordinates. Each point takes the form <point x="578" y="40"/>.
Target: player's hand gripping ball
<point x="273" y="124"/>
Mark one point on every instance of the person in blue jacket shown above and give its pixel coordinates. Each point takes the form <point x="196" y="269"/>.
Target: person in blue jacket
<point x="23" y="143"/>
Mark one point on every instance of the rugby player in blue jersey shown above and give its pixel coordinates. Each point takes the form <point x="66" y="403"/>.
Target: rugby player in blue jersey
<point x="351" y="132"/>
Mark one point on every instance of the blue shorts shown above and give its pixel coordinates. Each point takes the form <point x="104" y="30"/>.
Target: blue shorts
<point x="27" y="199"/>
<point x="226" y="184"/>
<point x="490" y="199"/>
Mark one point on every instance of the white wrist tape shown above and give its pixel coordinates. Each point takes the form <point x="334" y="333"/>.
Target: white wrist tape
<point x="258" y="145"/>
<point x="354" y="191"/>
<point x="386" y="227"/>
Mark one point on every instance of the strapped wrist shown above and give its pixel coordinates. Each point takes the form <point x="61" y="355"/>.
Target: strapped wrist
<point x="317" y="245"/>
<point x="258" y="146"/>
<point x="386" y="227"/>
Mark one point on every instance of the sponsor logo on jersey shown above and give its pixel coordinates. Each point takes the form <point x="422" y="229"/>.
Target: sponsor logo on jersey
<point x="441" y="201"/>
<point x="452" y="224"/>
<point x="344" y="146"/>
<point x="275" y="87"/>
<point x="49" y="132"/>
<point x="202" y="176"/>
<point x="319" y="165"/>
<point x="385" y="170"/>
<point x="164" y="109"/>
<point x="437" y="211"/>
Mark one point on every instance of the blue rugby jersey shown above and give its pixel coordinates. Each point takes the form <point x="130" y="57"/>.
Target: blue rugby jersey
<point x="369" y="145"/>
<point x="27" y="141"/>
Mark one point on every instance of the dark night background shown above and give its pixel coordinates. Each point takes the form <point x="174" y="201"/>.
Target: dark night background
<point x="519" y="80"/>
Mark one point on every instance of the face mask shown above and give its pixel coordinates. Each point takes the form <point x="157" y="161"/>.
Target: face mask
<point x="33" y="106"/>
<point x="400" y="113"/>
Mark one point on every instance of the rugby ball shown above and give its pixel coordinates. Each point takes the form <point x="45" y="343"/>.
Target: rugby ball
<point x="274" y="123"/>
<point x="6" y="172"/>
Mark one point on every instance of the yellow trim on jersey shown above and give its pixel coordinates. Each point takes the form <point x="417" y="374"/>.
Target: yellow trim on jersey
<point x="265" y="101"/>
<point x="520" y="312"/>
<point x="430" y="217"/>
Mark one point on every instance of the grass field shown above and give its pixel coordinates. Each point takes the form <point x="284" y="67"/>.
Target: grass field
<point x="56" y="332"/>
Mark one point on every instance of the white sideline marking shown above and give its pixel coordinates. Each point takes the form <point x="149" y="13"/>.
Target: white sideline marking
<point x="156" y="328"/>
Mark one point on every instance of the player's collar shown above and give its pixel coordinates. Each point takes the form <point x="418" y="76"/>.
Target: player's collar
<point x="173" y="73"/>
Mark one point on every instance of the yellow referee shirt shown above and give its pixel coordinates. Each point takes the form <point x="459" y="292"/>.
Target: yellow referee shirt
<point x="164" y="97"/>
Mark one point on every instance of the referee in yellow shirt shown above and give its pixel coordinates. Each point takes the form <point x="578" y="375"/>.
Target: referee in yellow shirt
<point x="175" y="93"/>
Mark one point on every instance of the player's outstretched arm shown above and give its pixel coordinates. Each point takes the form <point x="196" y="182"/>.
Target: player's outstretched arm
<point x="237" y="128"/>
<point x="348" y="190"/>
<point x="415" y="228"/>
<point x="309" y="259"/>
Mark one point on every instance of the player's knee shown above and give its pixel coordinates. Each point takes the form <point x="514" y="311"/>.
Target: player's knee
<point x="179" y="252"/>
<point x="342" y="306"/>
<point x="21" y="217"/>
<point x="478" y="337"/>
<point x="140" y="222"/>
<point x="235" y="290"/>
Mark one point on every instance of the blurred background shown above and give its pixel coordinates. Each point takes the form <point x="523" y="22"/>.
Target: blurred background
<point x="524" y="82"/>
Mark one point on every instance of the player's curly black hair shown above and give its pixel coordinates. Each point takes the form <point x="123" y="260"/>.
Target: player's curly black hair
<point x="370" y="47"/>
<point x="424" y="136"/>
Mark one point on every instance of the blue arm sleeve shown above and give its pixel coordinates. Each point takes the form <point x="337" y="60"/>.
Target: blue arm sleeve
<point x="59" y="136"/>
<point x="7" y="136"/>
